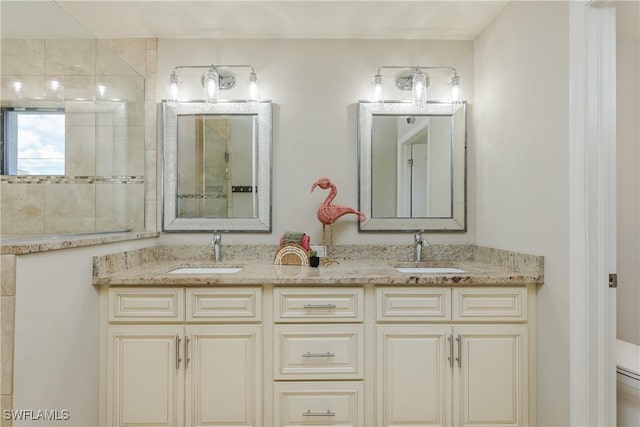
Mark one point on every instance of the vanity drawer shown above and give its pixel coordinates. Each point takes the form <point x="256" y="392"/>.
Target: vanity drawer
<point x="146" y="305"/>
<point x="238" y="304"/>
<point x="318" y="352"/>
<point x="318" y="305"/>
<point x="319" y="403"/>
<point x="507" y="304"/>
<point x="413" y="304"/>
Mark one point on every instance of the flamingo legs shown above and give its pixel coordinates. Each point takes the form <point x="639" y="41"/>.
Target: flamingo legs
<point x="327" y="260"/>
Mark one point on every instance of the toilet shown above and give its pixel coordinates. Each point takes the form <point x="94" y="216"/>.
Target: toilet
<point x="628" y="384"/>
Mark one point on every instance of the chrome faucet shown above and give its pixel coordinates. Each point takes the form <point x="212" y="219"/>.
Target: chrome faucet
<point x="215" y="243"/>
<point x="420" y="242"/>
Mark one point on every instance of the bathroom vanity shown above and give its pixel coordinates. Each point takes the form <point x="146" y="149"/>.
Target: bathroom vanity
<point x="353" y="344"/>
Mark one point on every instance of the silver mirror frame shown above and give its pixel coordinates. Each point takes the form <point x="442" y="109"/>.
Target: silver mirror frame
<point x="458" y="220"/>
<point x="170" y="112"/>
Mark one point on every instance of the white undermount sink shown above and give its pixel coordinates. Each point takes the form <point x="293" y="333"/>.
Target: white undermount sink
<point x="429" y="270"/>
<point x="205" y="270"/>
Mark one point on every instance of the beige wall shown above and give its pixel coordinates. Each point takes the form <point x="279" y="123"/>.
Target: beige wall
<point x="315" y="86"/>
<point x="56" y="350"/>
<point x="628" y="157"/>
<point x="521" y="182"/>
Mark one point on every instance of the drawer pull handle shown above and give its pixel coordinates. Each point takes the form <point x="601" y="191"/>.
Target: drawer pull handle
<point x="327" y="354"/>
<point x="308" y="413"/>
<point x="319" y="306"/>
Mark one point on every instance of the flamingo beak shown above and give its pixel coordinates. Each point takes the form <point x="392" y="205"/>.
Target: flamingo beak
<point x="313" y="187"/>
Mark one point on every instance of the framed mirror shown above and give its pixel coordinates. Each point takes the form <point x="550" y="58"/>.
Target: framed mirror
<point x="217" y="166"/>
<point x="412" y="166"/>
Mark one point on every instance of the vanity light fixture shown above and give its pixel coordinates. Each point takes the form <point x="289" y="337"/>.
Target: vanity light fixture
<point x="214" y="79"/>
<point x="414" y="78"/>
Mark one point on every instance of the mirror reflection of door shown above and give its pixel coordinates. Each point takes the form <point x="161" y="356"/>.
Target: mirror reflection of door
<point x="413" y="188"/>
<point x="412" y="166"/>
<point x="216" y="166"/>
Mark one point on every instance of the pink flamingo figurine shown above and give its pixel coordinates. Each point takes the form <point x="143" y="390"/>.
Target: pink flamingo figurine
<point x="328" y="213"/>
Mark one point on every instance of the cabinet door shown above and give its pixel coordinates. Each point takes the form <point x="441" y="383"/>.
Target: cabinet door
<point x="223" y="375"/>
<point x="490" y="377"/>
<point x="145" y="378"/>
<point x="414" y="375"/>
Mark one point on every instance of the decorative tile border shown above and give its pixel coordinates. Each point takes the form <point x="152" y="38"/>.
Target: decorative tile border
<point x="67" y="179"/>
<point x="202" y="196"/>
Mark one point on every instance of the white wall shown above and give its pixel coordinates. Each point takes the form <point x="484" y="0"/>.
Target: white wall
<point x="56" y="355"/>
<point x="521" y="181"/>
<point x="315" y="85"/>
<point x="628" y="176"/>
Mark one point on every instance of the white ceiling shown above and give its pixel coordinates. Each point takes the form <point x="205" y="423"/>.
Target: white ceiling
<point x="417" y="19"/>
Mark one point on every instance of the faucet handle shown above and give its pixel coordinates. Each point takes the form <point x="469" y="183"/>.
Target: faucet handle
<point x="418" y="237"/>
<point x="217" y="237"/>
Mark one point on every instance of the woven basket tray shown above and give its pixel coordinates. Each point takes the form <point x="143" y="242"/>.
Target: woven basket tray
<point x="291" y="254"/>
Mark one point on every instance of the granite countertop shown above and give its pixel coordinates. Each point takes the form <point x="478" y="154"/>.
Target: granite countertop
<point x="355" y="266"/>
<point x="22" y="245"/>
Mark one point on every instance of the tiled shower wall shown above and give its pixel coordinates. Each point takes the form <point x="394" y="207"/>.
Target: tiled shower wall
<point x="106" y="141"/>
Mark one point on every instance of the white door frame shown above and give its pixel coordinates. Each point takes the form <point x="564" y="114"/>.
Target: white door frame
<point x="592" y="214"/>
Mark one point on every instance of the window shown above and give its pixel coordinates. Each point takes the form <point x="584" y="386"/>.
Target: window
<point x="34" y="142"/>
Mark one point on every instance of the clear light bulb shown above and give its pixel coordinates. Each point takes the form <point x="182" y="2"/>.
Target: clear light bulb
<point x="173" y="87"/>
<point x="455" y="89"/>
<point x="377" y="88"/>
<point x="211" y="85"/>
<point x="419" y="82"/>
<point x="254" y="93"/>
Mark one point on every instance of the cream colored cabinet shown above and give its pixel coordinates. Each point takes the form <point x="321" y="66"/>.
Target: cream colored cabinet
<point x="323" y="356"/>
<point x="439" y="371"/>
<point x="223" y="375"/>
<point x="145" y="380"/>
<point x="184" y="374"/>
<point x="318" y="335"/>
<point x="413" y="375"/>
<point x="326" y="403"/>
<point x="490" y="375"/>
